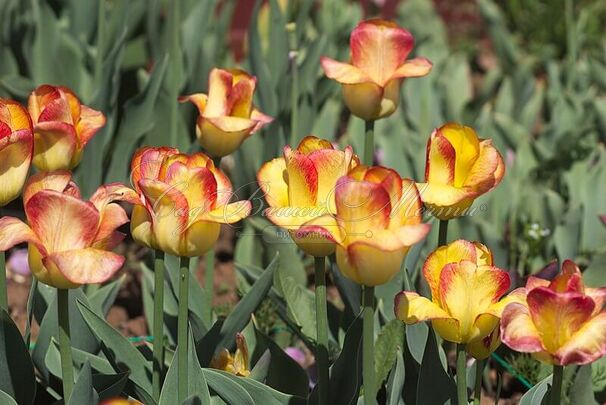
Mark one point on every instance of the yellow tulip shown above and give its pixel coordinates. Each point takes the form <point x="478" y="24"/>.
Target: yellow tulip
<point x="227" y="115"/>
<point x="560" y="322"/>
<point x="465" y="289"/>
<point x="184" y="199"/>
<point x="16" y="147"/>
<point x="459" y="168"/>
<point x="371" y="83"/>
<point x="62" y="127"/>
<point x="237" y="363"/>
<point x="69" y="239"/>
<point x="300" y="190"/>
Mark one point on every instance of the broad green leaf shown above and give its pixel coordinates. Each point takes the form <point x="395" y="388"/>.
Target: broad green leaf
<point x="83" y="392"/>
<point x="537" y="394"/>
<point x="229" y="390"/>
<point x="388" y="343"/>
<point x="17" y="378"/>
<point x="6" y="399"/>
<point x="300" y="304"/>
<point x="432" y="374"/>
<point x="103" y="299"/>
<point x="582" y="387"/>
<point x="395" y="383"/>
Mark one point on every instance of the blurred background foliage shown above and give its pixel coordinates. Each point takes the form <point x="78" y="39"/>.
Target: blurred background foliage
<point x="531" y="75"/>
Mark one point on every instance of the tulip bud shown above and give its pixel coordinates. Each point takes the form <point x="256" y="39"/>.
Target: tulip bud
<point x="371" y="83"/>
<point x="16" y="147"/>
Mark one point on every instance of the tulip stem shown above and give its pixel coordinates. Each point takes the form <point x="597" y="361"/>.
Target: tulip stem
<point x="182" y="329"/>
<point x="556" y="385"/>
<point x="3" y="292"/>
<point x="67" y="367"/>
<point x="322" y="326"/>
<point x="174" y="51"/>
<point x="369" y="142"/>
<point x="443" y="232"/>
<point x="368" y="355"/>
<point x="294" y="89"/>
<point x="477" y="394"/>
<point x="461" y="375"/>
<point x="158" y="323"/>
<point x="209" y="278"/>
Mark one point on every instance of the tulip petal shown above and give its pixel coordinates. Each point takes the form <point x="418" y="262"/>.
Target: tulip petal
<point x="112" y="217"/>
<point x="467" y="149"/>
<point x="558" y="315"/>
<point x="330" y="165"/>
<point x="486" y="172"/>
<point x="220" y="136"/>
<point x="569" y="279"/>
<point x="57" y="110"/>
<point x="91" y="121"/>
<point x="199" y="238"/>
<point x="412" y="308"/>
<point x="408" y="235"/>
<point x="292" y="218"/>
<point x="230" y="213"/>
<point x="55" y="144"/>
<point x="598" y="295"/>
<point x="454" y="252"/>
<point x="85" y="266"/>
<point x="198" y="99"/>
<point x="240" y="98"/>
<point x="444" y="196"/>
<point x="343" y="73"/>
<point x="365" y="100"/>
<point x="318" y="236"/>
<point x="112" y="192"/>
<point x="198" y="185"/>
<point x="416" y="67"/>
<point x="219" y="83"/>
<point x="516" y="296"/>
<point x="389" y="179"/>
<point x="481" y="348"/>
<point x="467" y="291"/>
<point x="260" y="120"/>
<point x="379" y="47"/>
<point x="141" y="226"/>
<point x="518" y="331"/>
<point x="302" y="179"/>
<point x="534" y="282"/>
<point x="440" y="160"/>
<point x="409" y="210"/>
<point x="367" y="263"/>
<point x="57" y="181"/>
<point x="13" y="115"/>
<point x="15" y="159"/>
<point x="147" y="163"/>
<point x="39" y="98"/>
<point x="311" y="144"/>
<point x="62" y="222"/>
<point x="13" y="231"/>
<point x="586" y="345"/>
<point x="272" y="179"/>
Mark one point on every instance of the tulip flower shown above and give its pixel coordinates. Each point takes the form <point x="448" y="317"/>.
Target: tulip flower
<point x="120" y="401"/>
<point x="459" y="168"/>
<point x="237" y="363"/>
<point x="300" y="190"/>
<point x="62" y="127"/>
<point x="16" y="147"/>
<point x="183" y="200"/>
<point x="227" y="115"/>
<point x="69" y="239"/>
<point x="561" y="322"/>
<point x="371" y="82"/>
<point x="603" y="219"/>
<point x="465" y="290"/>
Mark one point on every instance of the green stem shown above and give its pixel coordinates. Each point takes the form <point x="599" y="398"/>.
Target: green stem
<point x="461" y="375"/>
<point x="3" y="292"/>
<point x="443" y="233"/>
<point x="175" y="66"/>
<point x="556" y="385"/>
<point x="182" y="329"/>
<point x="67" y="370"/>
<point x="209" y="278"/>
<point x="294" y="89"/>
<point x="368" y="357"/>
<point x="369" y="142"/>
<point x="100" y="44"/>
<point x="477" y="393"/>
<point x="322" y="326"/>
<point x="158" y="324"/>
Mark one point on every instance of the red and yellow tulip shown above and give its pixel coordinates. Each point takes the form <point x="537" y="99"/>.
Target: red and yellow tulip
<point x="237" y="363"/>
<point x="62" y="127"/>
<point x="561" y="322"/>
<point x="465" y="289"/>
<point x="69" y="239"/>
<point x="459" y="168"/>
<point x="120" y="401"/>
<point x="16" y="148"/>
<point x="183" y="200"/>
<point x="371" y="82"/>
<point x="300" y="190"/>
<point x="227" y="115"/>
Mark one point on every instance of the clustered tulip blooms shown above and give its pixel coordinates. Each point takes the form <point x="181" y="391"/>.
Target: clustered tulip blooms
<point x="183" y="200"/>
<point x="465" y="293"/>
<point x="62" y="127"/>
<point x="238" y="363"/>
<point x="371" y="83"/>
<point x="460" y="167"/>
<point x="560" y="322"/>
<point x="300" y="190"/>
<point x="16" y="148"/>
<point x="70" y="240"/>
<point x="227" y="115"/>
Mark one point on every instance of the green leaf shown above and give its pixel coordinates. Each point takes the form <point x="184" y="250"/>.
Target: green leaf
<point x="83" y="392"/>
<point x="6" y="399"/>
<point x="395" y="383"/>
<point x="416" y="338"/>
<point x="17" y="377"/>
<point x="284" y="373"/>
<point x="103" y="299"/>
<point x="300" y="304"/>
<point x="582" y="388"/>
<point x="432" y="375"/>
<point x="389" y="341"/>
<point x="537" y="394"/>
<point x="109" y="385"/>
<point x="119" y="351"/>
<point x="226" y="388"/>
